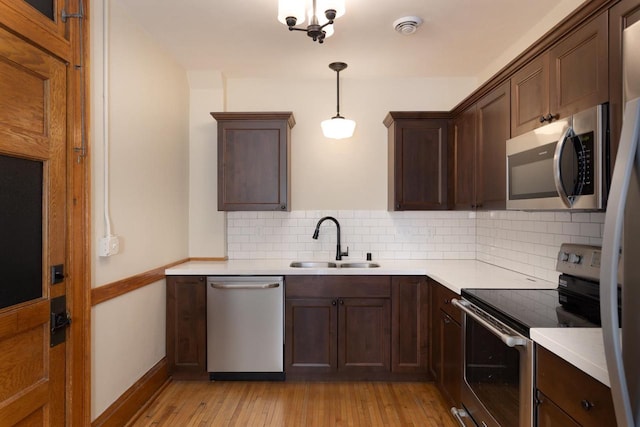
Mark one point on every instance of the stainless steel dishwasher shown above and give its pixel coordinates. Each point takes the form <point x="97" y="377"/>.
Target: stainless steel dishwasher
<point x="245" y="327"/>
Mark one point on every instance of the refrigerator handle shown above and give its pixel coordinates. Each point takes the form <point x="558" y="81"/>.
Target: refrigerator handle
<point x="612" y="239"/>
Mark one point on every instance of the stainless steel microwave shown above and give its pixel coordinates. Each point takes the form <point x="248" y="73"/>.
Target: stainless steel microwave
<point x="563" y="165"/>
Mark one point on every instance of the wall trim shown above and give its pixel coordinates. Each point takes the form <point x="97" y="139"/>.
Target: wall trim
<point x="137" y="397"/>
<point x="120" y="287"/>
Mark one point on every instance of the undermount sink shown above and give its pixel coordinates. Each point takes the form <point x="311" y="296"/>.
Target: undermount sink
<point x="359" y="265"/>
<point x="328" y="264"/>
<point x="313" y="264"/>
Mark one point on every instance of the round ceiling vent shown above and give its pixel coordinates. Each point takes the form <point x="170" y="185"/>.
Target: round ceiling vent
<point x="407" y="25"/>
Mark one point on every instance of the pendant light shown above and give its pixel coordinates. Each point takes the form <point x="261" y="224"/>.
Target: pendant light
<point x="338" y="127"/>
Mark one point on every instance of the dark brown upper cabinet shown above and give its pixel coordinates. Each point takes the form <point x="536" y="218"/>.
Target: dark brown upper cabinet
<point x="418" y="158"/>
<point x="480" y="140"/>
<point x="254" y="161"/>
<point x="571" y="76"/>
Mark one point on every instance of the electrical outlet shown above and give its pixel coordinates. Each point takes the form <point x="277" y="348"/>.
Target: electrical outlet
<point x="109" y="245"/>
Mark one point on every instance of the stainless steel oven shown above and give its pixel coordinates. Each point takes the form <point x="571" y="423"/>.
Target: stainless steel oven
<point x="563" y="165"/>
<point x="497" y="387"/>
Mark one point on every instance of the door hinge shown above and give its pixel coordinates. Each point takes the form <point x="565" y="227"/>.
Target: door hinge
<point x="59" y="321"/>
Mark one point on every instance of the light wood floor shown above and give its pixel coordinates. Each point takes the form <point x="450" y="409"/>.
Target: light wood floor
<point x="233" y="403"/>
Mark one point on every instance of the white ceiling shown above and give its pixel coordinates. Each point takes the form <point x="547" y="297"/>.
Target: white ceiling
<point x="243" y="38"/>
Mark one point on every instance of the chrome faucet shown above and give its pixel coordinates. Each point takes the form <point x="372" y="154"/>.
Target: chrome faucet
<point x="339" y="253"/>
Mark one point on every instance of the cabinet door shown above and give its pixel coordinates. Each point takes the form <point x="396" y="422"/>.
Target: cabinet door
<point x="548" y="414"/>
<point x="435" y="334"/>
<point x="253" y="161"/>
<point x="451" y="376"/>
<point x="410" y="324"/>
<point x="187" y="327"/>
<point x="582" y="397"/>
<point x="420" y="164"/>
<point x="364" y="334"/>
<point x="530" y="95"/>
<point x="579" y="69"/>
<point x="310" y="335"/>
<point x="494" y="121"/>
<point x="621" y="16"/>
<point x="465" y="154"/>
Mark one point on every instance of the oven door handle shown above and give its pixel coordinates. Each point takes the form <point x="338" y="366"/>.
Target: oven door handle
<point x="460" y="415"/>
<point x="509" y="340"/>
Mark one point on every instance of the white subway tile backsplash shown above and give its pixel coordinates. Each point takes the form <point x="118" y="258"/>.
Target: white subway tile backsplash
<point x="527" y="242"/>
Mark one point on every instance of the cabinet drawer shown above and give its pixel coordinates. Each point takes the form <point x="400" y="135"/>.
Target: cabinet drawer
<point x="338" y="286"/>
<point x="442" y="300"/>
<point x="584" y="398"/>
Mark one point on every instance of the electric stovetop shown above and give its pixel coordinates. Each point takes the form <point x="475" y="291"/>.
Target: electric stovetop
<point x="523" y="309"/>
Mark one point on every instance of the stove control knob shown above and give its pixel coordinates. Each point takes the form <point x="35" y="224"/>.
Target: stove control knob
<point x="564" y="257"/>
<point x="574" y="259"/>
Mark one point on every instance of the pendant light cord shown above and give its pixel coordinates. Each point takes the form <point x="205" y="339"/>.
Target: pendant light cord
<point x="338" y="93"/>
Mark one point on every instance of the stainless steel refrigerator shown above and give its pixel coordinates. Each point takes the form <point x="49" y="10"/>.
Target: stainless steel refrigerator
<point x="622" y="236"/>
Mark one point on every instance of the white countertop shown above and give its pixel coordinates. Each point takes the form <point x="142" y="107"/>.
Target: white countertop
<point x="454" y="274"/>
<point x="582" y="347"/>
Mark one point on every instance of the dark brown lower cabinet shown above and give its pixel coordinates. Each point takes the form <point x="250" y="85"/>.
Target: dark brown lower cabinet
<point x="364" y="334"/>
<point x="567" y="396"/>
<point x="451" y="367"/>
<point x="550" y="415"/>
<point x="410" y="325"/>
<point x="337" y="327"/>
<point x="187" y="327"/>
<point x="311" y="335"/>
<point x="446" y="343"/>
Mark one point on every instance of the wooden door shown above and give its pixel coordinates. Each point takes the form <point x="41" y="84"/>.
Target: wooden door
<point x="494" y="128"/>
<point x="364" y="334"/>
<point x="33" y="134"/>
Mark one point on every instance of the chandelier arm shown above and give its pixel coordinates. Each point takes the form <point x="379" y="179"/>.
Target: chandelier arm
<point x="297" y="29"/>
<point x="327" y="23"/>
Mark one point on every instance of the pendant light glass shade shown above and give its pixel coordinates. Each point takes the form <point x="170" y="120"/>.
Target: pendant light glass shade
<point x="294" y="8"/>
<point x="338" y="128"/>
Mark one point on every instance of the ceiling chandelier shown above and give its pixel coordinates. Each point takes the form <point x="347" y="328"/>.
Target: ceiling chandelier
<point x="338" y="127"/>
<point x="293" y="12"/>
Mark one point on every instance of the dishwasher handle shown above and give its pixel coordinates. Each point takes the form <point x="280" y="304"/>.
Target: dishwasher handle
<point x="228" y="286"/>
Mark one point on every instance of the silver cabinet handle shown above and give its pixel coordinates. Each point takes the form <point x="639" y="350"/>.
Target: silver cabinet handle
<point x="557" y="158"/>
<point x="509" y="340"/>
<point x="227" y="286"/>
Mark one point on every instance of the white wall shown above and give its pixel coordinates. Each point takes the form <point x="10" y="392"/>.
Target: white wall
<point x="149" y="149"/>
<point x="207" y="226"/>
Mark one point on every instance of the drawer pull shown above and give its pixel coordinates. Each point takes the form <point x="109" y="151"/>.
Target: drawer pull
<point x="586" y="405"/>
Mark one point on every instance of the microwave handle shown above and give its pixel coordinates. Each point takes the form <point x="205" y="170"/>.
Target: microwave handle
<point x="557" y="159"/>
